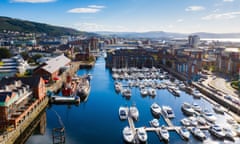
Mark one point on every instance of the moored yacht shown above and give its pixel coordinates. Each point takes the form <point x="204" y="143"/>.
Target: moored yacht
<point x="185" y="122"/>
<point x="229" y="134"/>
<point x="134" y="113"/>
<point x="84" y="87"/>
<point x="126" y="92"/>
<point x="168" y="112"/>
<point x="156" y="109"/>
<point x="152" y="92"/>
<point x="118" y="86"/>
<point x="218" y="109"/>
<point x="128" y="135"/>
<point x="217" y="131"/>
<point x="123" y="112"/>
<point x="209" y="116"/>
<point x="184" y="132"/>
<point x="142" y="134"/>
<point x="154" y="123"/>
<point x="197" y="94"/>
<point x="164" y="133"/>
<point x="198" y="133"/>
<point x="196" y="107"/>
<point x="144" y="91"/>
<point x="187" y="109"/>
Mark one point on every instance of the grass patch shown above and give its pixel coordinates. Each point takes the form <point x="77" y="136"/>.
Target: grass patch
<point x="1" y="63"/>
<point x="236" y="85"/>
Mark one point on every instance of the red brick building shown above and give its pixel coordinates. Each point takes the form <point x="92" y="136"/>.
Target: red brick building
<point x="18" y="98"/>
<point x="51" y="69"/>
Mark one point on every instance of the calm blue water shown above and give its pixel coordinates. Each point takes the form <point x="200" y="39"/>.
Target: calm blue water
<point x="97" y="122"/>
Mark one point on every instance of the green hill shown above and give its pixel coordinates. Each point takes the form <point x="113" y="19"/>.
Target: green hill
<point x="12" y="24"/>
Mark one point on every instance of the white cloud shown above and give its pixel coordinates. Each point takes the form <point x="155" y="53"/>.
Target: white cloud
<point x="194" y="8"/>
<point x="89" y="9"/>
<point x="180" y="20"/>
<point x="33" y="1"/>
<point x="83" y="10"/>
<point x="96" y="6"/>
<point x="221" y="16"/>
<point x="98" y="27"/>
<point x="216" y="10"/>
<point x="228" y="0"/>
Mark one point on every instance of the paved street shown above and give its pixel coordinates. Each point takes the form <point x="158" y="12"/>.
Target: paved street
<point x="221" y="84"/>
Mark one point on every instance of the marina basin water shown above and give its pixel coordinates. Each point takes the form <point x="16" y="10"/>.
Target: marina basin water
<point x="97" y="121"/>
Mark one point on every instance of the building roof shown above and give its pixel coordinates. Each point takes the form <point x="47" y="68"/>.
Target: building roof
<point x="4" y="95"/>
<point x="56" y="63"/>
<point x="31" y="81"/>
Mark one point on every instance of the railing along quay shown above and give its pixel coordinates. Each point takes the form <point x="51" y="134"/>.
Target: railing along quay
<point x="11" y="137"/>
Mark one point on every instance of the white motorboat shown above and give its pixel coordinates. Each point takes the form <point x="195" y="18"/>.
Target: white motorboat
<point x="152" y="92"/>
<point x="182" y="86"/>
<point x="217" y="131"/>
<point x="126" y="92"/>
<point x="123" y="112"/>
<point x="184" y="132"/>
<point x="185" y="122"/>
<point x="209" y="116"/>
<point x="197" y="94"/>
<point x="142" y="134"/>
<point x="231" y="121"/>
<point x="164" y="133"/>
<point x="198" y="133"/>
<point x="168" y="112"/>
<point x="236" y="128"/>
<point x="65" y="99"/>
<point x="144" y="92"/>
<point x="154" y="123"/>
<point x="196" y="107"/>
<point x="229" y="134"/>
<point x="193" y="120"/>
<point x="187" y="109"/>
<point x="134" y="112"/>
<point x="118" y="86"/>
<point x="156" y="109"/>
<point x="128" y="135"/>
<point x="218" y="109"/>
<point x="201" y="120"/>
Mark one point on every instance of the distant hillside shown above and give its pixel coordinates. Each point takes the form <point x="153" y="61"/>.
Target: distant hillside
<point x="12" y="24"/>
<point x="162" y="34"/>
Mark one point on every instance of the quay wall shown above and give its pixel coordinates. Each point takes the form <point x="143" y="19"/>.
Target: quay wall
<point x="11" y="137"/>
<point x="74" y="67"/>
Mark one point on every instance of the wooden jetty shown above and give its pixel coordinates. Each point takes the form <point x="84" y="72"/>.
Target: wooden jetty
<point x="169" y="127"/>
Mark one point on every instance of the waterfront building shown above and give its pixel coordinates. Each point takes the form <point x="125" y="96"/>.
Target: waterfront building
<point x="50" y="69"/>
<point x="185" y="61"/>
<point x="228" y="61"/>
<point x="13" y="65"/>
<point x="18" y="98"/>
<point x="193" y="41"/>
<point x="134" y="57"/>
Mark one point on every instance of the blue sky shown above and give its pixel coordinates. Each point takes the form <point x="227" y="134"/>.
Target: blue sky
<point x="185" y="16"/>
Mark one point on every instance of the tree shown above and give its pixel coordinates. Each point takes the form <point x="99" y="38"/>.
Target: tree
<point x="5" y="53"/>
<point x="25" y="55"/>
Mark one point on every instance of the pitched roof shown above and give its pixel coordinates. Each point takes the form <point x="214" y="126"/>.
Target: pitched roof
<point x="4" y="95"/>
<point x="31" y="81"/>
<point x="56" y="63"/>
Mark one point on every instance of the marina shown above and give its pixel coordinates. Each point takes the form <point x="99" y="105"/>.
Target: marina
<point x="102" y="109"/>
